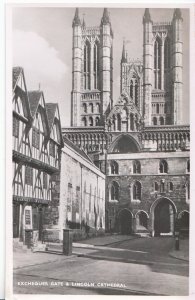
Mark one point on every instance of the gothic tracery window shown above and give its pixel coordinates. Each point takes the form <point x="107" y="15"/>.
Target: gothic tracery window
<point x="115" y="191"/>
<point x="96" y="64"/>
<point x="157" y="64"/>
<point x="136" y="167"/>
<point x="137" y="191"/>
<point x="163" y="166"/>
<point x="87" y="55"/>
<point x="114" y="167"/>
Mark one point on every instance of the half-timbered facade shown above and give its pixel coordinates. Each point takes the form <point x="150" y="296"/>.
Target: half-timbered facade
<point x="37" y="143"/>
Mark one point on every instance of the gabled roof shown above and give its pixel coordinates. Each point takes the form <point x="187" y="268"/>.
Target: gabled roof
<point x="126" y="102"/>
<point x="34" y="97"/>
<point x="77" y="149"/>
<point x="51" y="110"/>
<point x="15" y="75"/>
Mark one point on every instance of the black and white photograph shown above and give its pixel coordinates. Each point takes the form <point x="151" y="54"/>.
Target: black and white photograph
<point x="100" y="149"/>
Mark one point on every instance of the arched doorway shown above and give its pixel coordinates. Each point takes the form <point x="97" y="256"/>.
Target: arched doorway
<point x="125" y="222"/>
<point x="164" y="217"/>
<point x="184" y="220"/>
<point x="141" y="220"/>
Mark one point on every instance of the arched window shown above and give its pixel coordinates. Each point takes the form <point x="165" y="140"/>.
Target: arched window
<point x="87" y="55"/>
<point x="97" y="107"/>
<point x="137" y="191"/>
<point x="114" y="167"/>
<point x="156" y="187"/>
<point x="171" y="186"/>
<point x="90" y="121"/>
<point x="96" y="64"/>
<point x="154" y="121"/>
<point x="84" y="121"/>
<point x="84" y="107"/>
<point x="157" y="108"/>
<point x="136" y="167"/>
<point x="131" y="89"/>
<point x="115" y="191"/>
<point x="167" y="54"/>
<point x="91" y="107"/>
<point x="157" y="64"/>
<point x="163" y="166"/>
<point x="188" y="166"/>
<point x="162" y="186"/>
<point x="162" y="122"/>
<point x="97" y="121"/>
<point x="136" y="93"/>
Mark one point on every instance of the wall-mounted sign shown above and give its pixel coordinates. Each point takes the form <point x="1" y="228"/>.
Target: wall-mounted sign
<point x="27" y="217"/>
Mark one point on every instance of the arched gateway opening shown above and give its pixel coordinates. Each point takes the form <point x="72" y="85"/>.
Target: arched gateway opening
<point x="125" y="222"/>
<point x="164" y="211"/>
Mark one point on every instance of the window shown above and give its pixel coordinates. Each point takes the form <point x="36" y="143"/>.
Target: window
<point x="137" y="191"/>
<point x="16" y="123"/>
<point x="29" y="175"/>
<point x="163" y="167"/>
<point x="97" y="107"/>
<point x="90" y="121"/>
<point x="52" y="148"/>
<point x="170" y="186"/>
<point x="136" y="167"/>
<point x="84" y="107"/>
<point x="188" y="166"/>
<point x="87" y="54"/>
<point x="157" y="108"/>
<point x="115" y="191"/>
<point x="44" y="180"/>
<point x="162" y="186"/>
<point x="35" y="138"/>
<point x="162" y="122"/>
<point x="154" y="121"/>
<point x="96" y="64"/>
<point x="97" y="121"/>
<point x="91" y="107"/>
<point x="157" y="64"/>
<point x="156" y="187"/>
<point x="114" y="167"/>
<point x="84" y="121"/>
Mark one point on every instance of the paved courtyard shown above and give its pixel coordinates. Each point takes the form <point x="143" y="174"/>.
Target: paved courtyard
<point x="141" y="266"/>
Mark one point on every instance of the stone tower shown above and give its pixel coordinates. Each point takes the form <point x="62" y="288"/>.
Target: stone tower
<point x="91" y="97"/>
<point x="177" y="54"/>
<point x="132" y="79"/>
<point x="162" y="70"/>
<point x="147" y="65"/>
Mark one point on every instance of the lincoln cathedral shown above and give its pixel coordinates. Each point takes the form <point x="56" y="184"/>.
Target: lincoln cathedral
<point x="123" y="166"/>
<point x="138" y="141"/>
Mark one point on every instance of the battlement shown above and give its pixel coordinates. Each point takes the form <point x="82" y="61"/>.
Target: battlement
<point x="161" y="26"/>
<point x="91" y="30"/>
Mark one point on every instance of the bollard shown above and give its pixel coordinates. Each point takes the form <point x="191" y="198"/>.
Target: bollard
<point x="67" y="242"/>
<point x="177" y="240"/>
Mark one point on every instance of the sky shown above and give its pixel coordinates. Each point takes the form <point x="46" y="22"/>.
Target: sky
<point x="42" y="45"/>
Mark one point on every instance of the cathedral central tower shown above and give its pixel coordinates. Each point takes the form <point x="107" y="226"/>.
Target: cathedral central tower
<point x="91" y="98"/>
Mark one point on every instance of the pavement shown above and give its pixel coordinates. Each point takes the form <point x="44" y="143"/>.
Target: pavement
<point x="183" y="252"/>
<point x="142" y="266"/>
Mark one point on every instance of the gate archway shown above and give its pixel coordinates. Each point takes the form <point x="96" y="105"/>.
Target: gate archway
<point x="125" y="221"/>
<point x="163" y="214"/>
